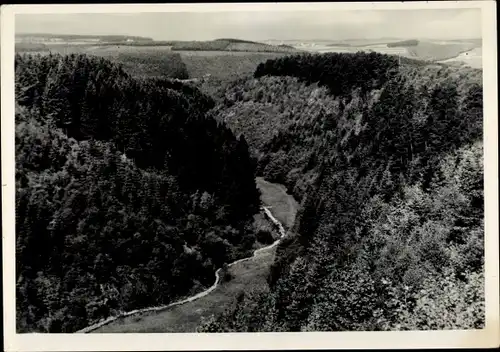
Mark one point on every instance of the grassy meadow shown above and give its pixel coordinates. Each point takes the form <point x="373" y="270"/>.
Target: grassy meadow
<point x="187" y="317"/>
<point x="284" y="207"/>
<point x="247" y="274"/>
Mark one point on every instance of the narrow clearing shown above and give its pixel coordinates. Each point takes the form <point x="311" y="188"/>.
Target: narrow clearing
<point x="185" y="315"/>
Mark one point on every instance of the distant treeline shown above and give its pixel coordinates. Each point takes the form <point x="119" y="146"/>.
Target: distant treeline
<point x="339" y="44"/>
<point x="230" y="45"/>
<point x="411" y="42"/>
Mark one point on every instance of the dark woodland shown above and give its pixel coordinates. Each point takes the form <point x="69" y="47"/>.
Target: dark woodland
<point x="117" y="180"/>
<point x="133" y="190"/>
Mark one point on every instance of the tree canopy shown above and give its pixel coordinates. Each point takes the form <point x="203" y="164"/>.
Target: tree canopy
<point x="129" y="194"/>
<point x="387" y="162"/>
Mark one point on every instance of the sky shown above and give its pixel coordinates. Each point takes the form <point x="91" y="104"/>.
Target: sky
<point x="291" y="25"/>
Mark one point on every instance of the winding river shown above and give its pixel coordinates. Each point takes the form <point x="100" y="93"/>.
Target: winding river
<point x="199" y="295"/>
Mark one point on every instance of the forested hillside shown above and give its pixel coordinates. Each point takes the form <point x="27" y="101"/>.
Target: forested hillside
<point x="129" y="194"/>
<point x="387" y="162"/>
<point x="132" y="190"/>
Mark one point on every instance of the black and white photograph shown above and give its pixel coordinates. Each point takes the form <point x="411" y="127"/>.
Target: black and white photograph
<point x="249" y="168"/>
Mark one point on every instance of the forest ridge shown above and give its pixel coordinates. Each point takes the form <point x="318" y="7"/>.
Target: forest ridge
<point x="128" y="193"/>
<point x="133" y="189"/>
<point x="386" y="159"/>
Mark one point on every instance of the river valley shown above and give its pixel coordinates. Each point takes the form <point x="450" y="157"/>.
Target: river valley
<point x="186" y="314"/>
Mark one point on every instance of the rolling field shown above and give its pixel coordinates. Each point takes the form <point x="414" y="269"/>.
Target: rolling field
<point x="437" y="51"/>
<point x="428" y="50"/>
<point x="231" y="45"/>
<point x="223" y="64"/>
<point x="473" y="58"/>
<point x="158" y="60"/>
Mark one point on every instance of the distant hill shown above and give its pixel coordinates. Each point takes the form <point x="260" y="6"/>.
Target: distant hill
<point x="405" y="43"/>
<point x="229" y="44"/>
<point x="223" y="44"/>
<point x="234" y="40"/>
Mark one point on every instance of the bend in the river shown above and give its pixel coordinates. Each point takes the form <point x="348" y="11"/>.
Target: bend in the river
<point x="282" y="233"/>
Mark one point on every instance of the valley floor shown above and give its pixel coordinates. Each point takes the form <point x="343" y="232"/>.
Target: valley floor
<point x="248" y="273"/>
<point x="282" y="205"/>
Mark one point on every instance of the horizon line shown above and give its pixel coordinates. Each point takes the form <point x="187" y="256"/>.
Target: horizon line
<point x="229" y="37"/>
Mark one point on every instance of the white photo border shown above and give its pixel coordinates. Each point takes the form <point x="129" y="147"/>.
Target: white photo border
<point x="488" y="337"/>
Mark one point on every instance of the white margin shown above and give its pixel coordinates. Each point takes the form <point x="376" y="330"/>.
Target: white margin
<point x="488" y="337"/>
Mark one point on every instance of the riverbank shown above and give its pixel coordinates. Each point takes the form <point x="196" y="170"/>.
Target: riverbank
<point x="186" y="315"/>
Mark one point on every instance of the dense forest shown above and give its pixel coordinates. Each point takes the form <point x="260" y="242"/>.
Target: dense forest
<point x="129" y="193"/>
<point x="132" y="189"/>
<point x="387" y="162"/>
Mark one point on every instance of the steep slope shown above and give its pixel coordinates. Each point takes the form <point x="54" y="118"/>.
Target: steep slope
<point x="128" y="193"/>
<point x="387" y="161"/>
<point x="292" y="123"/>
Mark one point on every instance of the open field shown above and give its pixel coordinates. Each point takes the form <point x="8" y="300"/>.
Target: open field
<point x="436" y="52"/>
<point x="473" y="58"/>
<point x="430" y="50"/>
<point x="158" y="60"/>
<point x="223" y="64"/>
